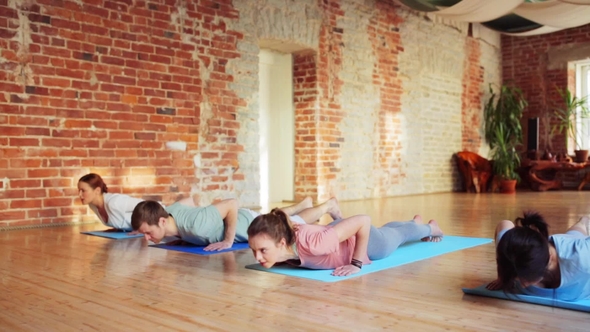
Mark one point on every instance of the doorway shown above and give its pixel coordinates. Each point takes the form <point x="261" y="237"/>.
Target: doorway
<point x="277" y="123"/>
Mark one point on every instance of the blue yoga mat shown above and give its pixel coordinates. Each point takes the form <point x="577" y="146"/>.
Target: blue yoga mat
<point x="113" y="235"/>
<point x="408" y="253"/>
<point x="583" y="305"/>
<point x="199" y="250"/>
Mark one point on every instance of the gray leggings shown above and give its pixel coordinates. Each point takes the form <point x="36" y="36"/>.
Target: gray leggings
<point x="385" y="239"/>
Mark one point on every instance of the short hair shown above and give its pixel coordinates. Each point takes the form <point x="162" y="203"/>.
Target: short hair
<point x="148" y="212"/>
<point x="94" y="181"/>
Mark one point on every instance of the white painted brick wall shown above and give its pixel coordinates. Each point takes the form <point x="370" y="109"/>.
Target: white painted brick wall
<point x="359" y="100"/>
<point x="431" y="70"/>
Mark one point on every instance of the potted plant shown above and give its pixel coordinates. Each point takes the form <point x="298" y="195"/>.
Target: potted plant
<point x="569" y="115"/>
<point x="506" y="159"/>
<point x="503" y="132"/>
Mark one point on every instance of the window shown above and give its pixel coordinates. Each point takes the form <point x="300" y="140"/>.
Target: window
<point x="583" y="91"/>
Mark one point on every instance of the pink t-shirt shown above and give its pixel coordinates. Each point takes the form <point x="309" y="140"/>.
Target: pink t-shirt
<point x="318" y="248"/>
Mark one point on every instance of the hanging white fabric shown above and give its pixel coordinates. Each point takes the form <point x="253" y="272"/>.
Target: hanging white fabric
<point x="538" y="31"/>
<point x="555" y="13"/>
<point x="478" y="10"/>
<point x="577" y="2"/>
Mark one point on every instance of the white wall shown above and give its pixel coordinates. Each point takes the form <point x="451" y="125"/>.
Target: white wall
<point x="276" y="127"/>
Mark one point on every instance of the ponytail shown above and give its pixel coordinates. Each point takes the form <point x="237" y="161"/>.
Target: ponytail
<point x="523" y="251"/>
<point x="276" y="225"/>
<point x="94" y="181"/>
<point x="534" y="221"/>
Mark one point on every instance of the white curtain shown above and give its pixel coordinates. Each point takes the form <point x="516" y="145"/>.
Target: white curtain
<point x="555" y="13"/>
<point x="577" y="2"/>
<point x="538" y="31"/>
<point x="478" y="10"/>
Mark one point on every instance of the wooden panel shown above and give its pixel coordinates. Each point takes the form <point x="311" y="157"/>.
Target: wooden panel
<point x="57" y="279"/>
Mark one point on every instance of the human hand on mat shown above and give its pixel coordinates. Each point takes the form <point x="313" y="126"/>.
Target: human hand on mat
<point x="113" y="230"/>
<point x="345" y="270"/>
<point x="494" y="285"/>
<point x="133" y="233"/>
<point x="218" y="246"/>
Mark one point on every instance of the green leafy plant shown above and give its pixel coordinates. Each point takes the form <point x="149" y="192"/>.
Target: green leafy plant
<point x="502" y="129"/>
<point x="504" y="154"/>
<point x="568" y="114"/>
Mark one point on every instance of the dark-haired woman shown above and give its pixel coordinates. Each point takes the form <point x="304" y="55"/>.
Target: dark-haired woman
<point x="113" y="210"/>
<point x="344" y="245"/>
<point x="532" y="262"/>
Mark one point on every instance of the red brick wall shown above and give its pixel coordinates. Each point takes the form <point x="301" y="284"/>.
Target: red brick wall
<point x="101" y="87"/>
<point x="527" y="64"/>
<point x="386" y="42"/>
<point x="305" y="93"/>
<point x="330" y="111"/>
<point x="471" y="107"/>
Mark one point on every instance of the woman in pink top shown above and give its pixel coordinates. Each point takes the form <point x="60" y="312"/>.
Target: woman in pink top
<point x="344" y="245"/>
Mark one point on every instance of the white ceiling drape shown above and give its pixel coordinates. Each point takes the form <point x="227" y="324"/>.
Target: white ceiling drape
<point x="538" y="31"/>
<point x="577" y="2"/>
<point x="555" y="14"/>
<point x="478" y="10"/>
<point x="552" y="15"/>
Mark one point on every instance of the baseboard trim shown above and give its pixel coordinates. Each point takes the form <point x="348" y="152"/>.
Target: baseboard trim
<point x="23" y="227"/>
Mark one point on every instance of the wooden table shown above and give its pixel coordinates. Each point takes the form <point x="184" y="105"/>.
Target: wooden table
<point x="542" y="174"/>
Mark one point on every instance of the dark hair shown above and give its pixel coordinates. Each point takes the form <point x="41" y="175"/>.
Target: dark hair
<point x="94" y="181"/>
<point x="275" y="224"/>
<point x="523" y="251"/>
<point x="148" y="212"/>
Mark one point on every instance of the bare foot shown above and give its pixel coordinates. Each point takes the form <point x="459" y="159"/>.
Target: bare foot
<point x="334" y="209"/>
<point x="418" y="219"/>
<point x="307" y="202"/>
<point x="583" y="225"/>
<point x="296" y="208"/>
<point x="436" y="234"/>
<point x="586" y="221"/>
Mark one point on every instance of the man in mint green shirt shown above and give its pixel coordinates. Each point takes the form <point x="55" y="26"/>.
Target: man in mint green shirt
<point x="216" y="226"/>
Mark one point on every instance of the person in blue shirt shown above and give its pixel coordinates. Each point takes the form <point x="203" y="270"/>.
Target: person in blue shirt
<point x="529" y="261"/>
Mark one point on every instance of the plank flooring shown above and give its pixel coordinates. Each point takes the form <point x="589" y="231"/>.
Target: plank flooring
<point x="56" y="279"/>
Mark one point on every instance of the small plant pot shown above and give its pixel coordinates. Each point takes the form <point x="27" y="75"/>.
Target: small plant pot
<point x="507" y="186"/>
<point x="581" y="156"/>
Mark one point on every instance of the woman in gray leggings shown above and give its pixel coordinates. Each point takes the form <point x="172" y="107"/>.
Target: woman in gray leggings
<point x="344" y="245"/>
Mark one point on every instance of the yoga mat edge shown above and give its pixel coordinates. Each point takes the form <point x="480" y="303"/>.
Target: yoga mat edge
<point x="583" y="305"/>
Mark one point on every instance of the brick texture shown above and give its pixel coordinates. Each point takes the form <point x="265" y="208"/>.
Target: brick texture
<point x="102" y="86"/>
<point x="539" y="64"/>
<point x="305" y="94"/>
<point x="471" y="99"/>
<point x="383" y="97"/>
<point x="386" y="43"/>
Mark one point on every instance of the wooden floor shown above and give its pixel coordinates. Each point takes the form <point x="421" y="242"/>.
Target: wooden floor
<point x="56" y="279"/>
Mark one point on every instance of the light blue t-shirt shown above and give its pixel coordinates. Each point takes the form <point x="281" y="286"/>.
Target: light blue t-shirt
<point x="203" y="225"/>
<point x="573" y="254"/>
